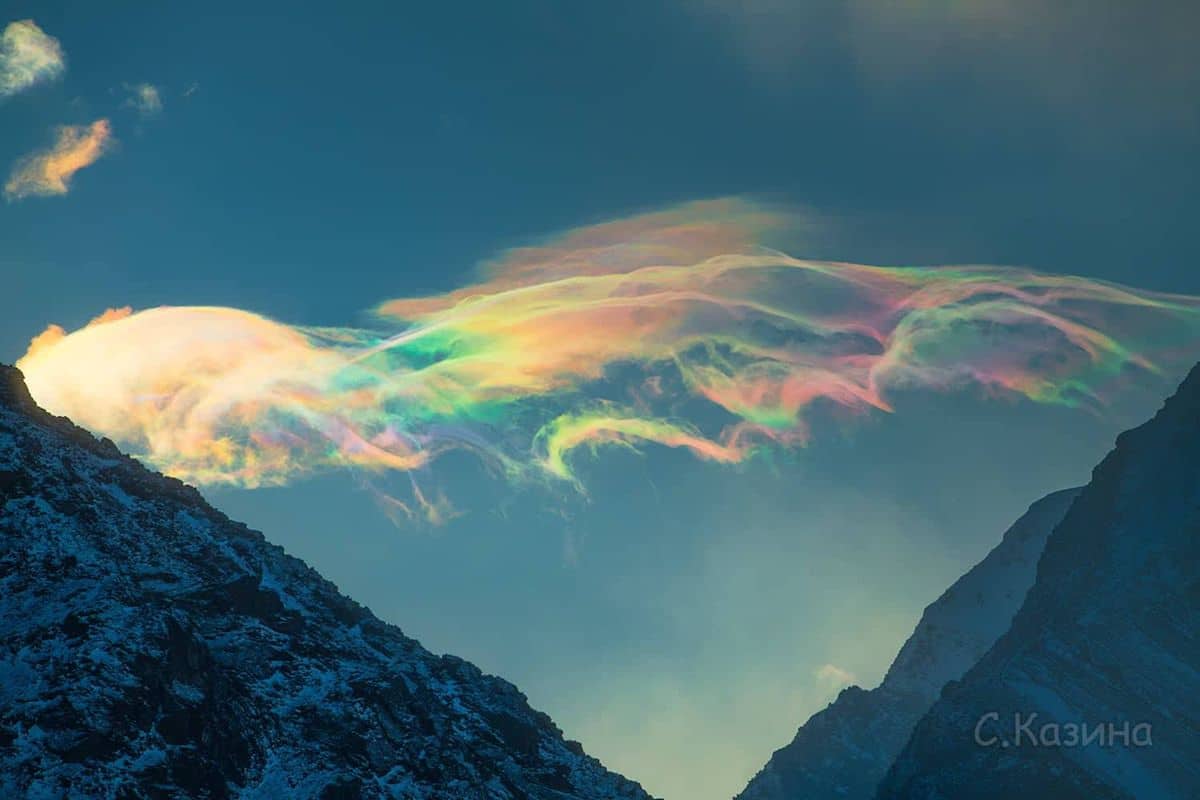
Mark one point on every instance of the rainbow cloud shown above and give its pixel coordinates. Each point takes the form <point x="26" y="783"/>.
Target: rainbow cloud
<point x="49" y="172"/>
<point x="673" y="328"/>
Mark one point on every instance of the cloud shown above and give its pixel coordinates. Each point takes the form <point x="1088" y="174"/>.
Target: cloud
<point x="833" y="677"/>
<point x="27" y="57"/>
<point x="1127" y="63"/>
<point x="49" y="172"/>
<point x="694" y="717"/>
<point x="677" y="329"/>
<point x="144" y="98"/>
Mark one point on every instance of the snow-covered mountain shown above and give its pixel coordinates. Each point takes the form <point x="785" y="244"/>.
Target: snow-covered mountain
<point x="844" y="751"/>
<point x="152" y="648"/>
<point x="1105" y="650"/>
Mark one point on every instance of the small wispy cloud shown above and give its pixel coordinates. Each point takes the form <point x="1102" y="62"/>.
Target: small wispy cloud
<point x="144" y="98"/>
<point x="27" y="57"/>
<point x="1104" y="63"/>
<point x="48" y="172"/>
<point x="833" y="677"/>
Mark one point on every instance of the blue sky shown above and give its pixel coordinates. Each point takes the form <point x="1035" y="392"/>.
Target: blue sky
<point x="308" y="163"/>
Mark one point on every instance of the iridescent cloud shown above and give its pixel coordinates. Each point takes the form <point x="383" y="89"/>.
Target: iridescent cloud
<point x="49" y="172"/>
<point x="27" y="57"/>
<point x="673" y="328"/>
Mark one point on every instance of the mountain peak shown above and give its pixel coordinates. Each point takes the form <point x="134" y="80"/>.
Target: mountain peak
<point x="1106" y="640"/>
<point x="151" y="647"/>
<point x="842" y="752"/>
<point x="13" y="391"/>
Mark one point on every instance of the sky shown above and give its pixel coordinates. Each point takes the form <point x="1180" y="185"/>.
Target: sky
<point x="678" y="614"/>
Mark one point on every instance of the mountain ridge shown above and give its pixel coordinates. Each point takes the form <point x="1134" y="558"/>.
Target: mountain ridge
<point x="1107" y="636"/>
<point x="151" y="647"/>
<point x="844" y="750"/>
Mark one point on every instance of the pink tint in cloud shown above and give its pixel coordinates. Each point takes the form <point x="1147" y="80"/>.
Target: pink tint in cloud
<point x="725" y="346"/>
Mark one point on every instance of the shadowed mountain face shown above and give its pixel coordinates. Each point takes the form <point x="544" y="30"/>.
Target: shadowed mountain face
<point x="150" y="647"/>
<point x="844" y="751"/>
<point x="1105" y="650"/>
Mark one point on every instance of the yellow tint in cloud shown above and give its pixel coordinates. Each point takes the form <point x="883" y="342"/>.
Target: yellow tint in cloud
<point x="49" y="172"/>
<point x="27" y="57"/>
<point x="675" y="329"/>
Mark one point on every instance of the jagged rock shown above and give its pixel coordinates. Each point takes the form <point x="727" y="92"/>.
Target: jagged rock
<point x="1108" y="635"/>
<point x="843" y="751"/>
<point x="152" y="648"/>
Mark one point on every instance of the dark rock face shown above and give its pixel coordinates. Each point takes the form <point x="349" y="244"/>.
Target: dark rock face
<point x="844" y="751"/>
<point x="1108" y="636"/>
<point x="152" y="648"/>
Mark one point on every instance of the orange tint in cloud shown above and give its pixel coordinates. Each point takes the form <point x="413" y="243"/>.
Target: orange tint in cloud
<point x="675" y="328"/>
<point x="49" y="172"/>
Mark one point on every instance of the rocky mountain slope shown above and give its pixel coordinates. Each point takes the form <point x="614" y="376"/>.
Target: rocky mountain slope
<point x="152" y="648"/>
<point x="1105" y="650"/>
<point x="845" y="750"/>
